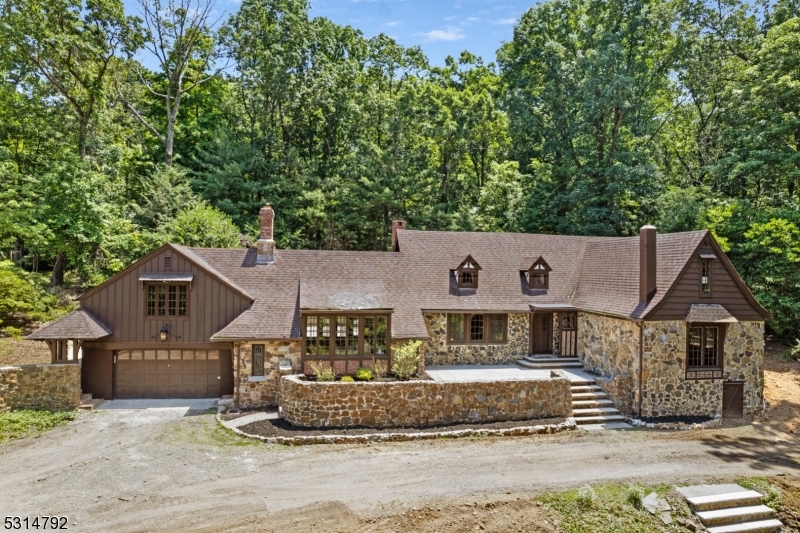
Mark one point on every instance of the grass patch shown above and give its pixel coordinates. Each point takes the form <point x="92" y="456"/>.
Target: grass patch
<point x="612" y="508"/>
<point x="772" y="494"/>
<point x="204" y="430"/>
<point x="27" y="422"/>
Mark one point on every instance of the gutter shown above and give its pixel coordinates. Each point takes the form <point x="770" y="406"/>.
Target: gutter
<point x="641" y="363"/>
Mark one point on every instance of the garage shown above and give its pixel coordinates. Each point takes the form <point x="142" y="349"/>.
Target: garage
<point x="171" y="373"/>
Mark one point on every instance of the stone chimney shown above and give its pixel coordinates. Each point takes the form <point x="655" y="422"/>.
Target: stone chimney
<point x="647" y="263"/>
<point x="266" y="245"/>
<point x="396" y="225"/>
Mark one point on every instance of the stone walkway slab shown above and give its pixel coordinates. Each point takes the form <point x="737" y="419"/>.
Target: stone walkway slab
<point x="467" y="373"/>
<point x="602" y="427"/>
<point x="248" y="419"/>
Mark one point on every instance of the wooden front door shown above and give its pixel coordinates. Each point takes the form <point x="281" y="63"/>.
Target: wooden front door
<point x="568" y="323"/>
<point x="732" y="399"/>
<point x="542" y="333"/>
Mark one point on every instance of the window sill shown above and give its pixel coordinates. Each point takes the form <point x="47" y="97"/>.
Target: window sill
<point x="257" y="379"/>
<point x="704" y="373"/>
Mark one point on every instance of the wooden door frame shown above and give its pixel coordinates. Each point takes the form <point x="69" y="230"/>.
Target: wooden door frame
<point x="532" y="332"/>
<point x="561" y="330"/>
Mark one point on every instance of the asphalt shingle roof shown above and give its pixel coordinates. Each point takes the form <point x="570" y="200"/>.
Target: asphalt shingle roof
<point x="79" y="324"/>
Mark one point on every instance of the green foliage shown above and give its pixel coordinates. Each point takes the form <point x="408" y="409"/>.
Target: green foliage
<point x="24" y="295"/>
<point x="363" y="374"/>
<point x="204" y="226"/>
<point x="28" y="422"/>
<point x="405" y="360"/>
<point x="347" y="379"/>
<point x="322" y="371"/>
<point x="793" y="353"/>
<point x="379" y="367"/>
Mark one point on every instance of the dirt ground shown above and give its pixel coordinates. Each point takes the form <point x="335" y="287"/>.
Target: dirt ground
<point x="781" y="390"/>
<point x="22" y="352"/>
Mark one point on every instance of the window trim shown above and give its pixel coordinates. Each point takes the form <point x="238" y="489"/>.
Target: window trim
<point x="486" y="330"/>
<point x="167" y="316"/>
<point x="530" y="272"/>
<point x="360" y="354"/>
<point x="710" y="262"/>
<point x="706" y="372"/>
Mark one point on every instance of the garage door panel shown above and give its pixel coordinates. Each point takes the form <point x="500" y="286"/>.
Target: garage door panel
<point x="168" y="374"/>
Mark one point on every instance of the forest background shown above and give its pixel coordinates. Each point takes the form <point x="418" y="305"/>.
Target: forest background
<point x="599" y="116"/>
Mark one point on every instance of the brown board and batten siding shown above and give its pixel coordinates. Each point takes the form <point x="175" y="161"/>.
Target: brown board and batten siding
<point x="121" y="305"/>
<point x="724" y="290"/>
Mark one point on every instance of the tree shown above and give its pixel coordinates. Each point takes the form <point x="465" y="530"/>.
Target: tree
<point x="178" y="35"/>
<point x="72" y="45"/>
<point x="204" y="226"/>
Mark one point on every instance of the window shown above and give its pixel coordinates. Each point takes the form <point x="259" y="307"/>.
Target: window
<point x="465" y="328"/>
<point x="353" y="338"/>
<point x="258" y="360"/>
<point x="167" y="300"/>
<point x="539" y="275"/>
<point x="467" y="274"/>
<point x="704" y="351"/>
<point x="705" y="276"/>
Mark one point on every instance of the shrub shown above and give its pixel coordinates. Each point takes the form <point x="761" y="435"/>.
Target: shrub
<point x="586" y="497"/>
<point x="322" y="372"/>
<point x="406" y="360"/>
<point x="635" y="495"/>
<point x="364" y="374"/>
<point x="16" y="424"/>
<point x="24" y="295"/>
<point x="348" y="379"/>
<point x="379" y="368"/>
<point x="793" y="353"/>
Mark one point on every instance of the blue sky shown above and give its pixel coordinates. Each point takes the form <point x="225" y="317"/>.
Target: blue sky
<point x="440" y="27"/>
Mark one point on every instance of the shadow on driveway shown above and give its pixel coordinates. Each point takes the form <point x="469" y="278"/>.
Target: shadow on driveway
<point x="760" y="452"/>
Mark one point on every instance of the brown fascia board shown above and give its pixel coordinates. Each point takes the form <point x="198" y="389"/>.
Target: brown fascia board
<point x="728" y="265"/>
<point x="155" y="252"/>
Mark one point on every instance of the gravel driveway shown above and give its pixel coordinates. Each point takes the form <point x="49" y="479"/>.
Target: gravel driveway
<point x="174" y="470"/>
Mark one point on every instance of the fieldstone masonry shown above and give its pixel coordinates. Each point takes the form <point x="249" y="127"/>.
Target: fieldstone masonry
<point x="262" y="391"/>
<point x="54" y="387"/>
<point x="436" y="351"/>
<point x="667" y="392"/>
<point x="421" y="403"/>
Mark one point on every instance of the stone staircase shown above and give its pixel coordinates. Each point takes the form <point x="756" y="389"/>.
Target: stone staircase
<point x="592" y="407"/>
<point x="733" y="511"/>
<point x="549" y="361"/>
<point x="88" y="403"/>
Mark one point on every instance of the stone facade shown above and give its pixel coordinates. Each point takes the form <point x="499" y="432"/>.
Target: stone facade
<point x="609" y="347"/>
<point x="436" y="351"/>
<point x="54" y="387"/>
<point x="421" y="403"/>
<point x="667" y="392"/>
<point x="262" y="391"/>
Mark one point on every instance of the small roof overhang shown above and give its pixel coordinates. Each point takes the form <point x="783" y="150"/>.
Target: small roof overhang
<point x="167" y="277"/>
<point x="553" y="308"/>
<point x="709" y="313"/>
<point x="79" y="325"/>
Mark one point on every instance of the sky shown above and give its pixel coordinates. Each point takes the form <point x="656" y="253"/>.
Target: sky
<point x="440" y="27"/>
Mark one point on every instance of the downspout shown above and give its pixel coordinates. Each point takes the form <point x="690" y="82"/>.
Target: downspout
<point x="641" y="363"/>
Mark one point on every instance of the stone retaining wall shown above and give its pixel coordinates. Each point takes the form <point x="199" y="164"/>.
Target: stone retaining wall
<point x="437" y="352"/>
<point x="421" y="403"/>
<point x="45" y="386"/>
<point x="620" y="391"/>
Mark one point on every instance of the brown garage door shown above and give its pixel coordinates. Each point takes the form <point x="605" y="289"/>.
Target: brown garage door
<point x="168" y="373"/>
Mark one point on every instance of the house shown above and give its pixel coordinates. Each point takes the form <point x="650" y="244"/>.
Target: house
<point x="665" y="319"/>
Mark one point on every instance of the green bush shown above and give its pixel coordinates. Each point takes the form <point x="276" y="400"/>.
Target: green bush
<point x="322" y="371"/>
<point x="16" y="424"/>
<point x="347" y="379"/>
<point x="405" y="360"/>
<point x="379" y="368"/>
<point x="364" y="374"/>
<point x="24" y="295"/>
<point x="204" y="226"/>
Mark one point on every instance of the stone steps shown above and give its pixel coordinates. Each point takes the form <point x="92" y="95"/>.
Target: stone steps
<point x="593" y="409"/>
<point x="600" y="419"/>
<point x="587" y="404"/>
<point x="723" y="510"/>
<point x="585" y="388"/>
<point x="589" y="396"/>
<point x="548" y="364"/>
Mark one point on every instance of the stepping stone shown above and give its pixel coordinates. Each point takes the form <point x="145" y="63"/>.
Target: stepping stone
<point x="598" y="419"/>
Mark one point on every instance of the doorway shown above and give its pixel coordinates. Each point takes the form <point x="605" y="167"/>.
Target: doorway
<point x="542" y="333"/>
<point x="733" y="399"/>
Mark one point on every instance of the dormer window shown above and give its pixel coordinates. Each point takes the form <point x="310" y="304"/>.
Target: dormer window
<point x="539" y="275"/>
<point x="467" y="273"/>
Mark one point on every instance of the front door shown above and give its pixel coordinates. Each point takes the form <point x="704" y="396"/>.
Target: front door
<point x="542" y="333"/>
<point x="568" y="323"/>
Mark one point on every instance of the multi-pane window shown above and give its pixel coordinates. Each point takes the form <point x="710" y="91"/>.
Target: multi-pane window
<point x="166" y="300"/>
<point x="345" y="336"/>
<point x="703" y="347"/>
<point x="465" y="328"/>
<point x="258" y="360"/>
<point x="705" y="276"/>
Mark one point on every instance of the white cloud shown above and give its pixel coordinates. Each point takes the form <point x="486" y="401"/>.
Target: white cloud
<point x="473" y="19"/>
<point x="393" y="23"/>
<point x="505" y="22"/>
<point x="450" y="34"/>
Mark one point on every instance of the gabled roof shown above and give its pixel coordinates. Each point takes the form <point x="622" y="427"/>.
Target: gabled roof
<point x="468" y="263"/>
<point x="79" y="324"/>
<point x="709" y="313"/>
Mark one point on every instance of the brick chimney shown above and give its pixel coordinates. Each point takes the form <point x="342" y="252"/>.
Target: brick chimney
<point x="647" y="263"/>
<point x="266" y="245"/>
<point x="396" y="225"/>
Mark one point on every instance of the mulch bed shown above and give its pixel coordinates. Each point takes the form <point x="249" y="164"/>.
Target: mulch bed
<point x="280" y="428"/>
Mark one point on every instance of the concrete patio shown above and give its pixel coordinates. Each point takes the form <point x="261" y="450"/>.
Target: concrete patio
<point x="471" y="373"/>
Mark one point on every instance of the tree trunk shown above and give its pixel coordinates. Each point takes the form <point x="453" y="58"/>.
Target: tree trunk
<point x="168" y="143"/>
<point x="58" y="270"/>
<point x="82" y="132"/>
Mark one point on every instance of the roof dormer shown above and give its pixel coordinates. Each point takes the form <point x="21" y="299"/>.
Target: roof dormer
<point x="467" y="273"/>
<point x="538" y="275"/>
